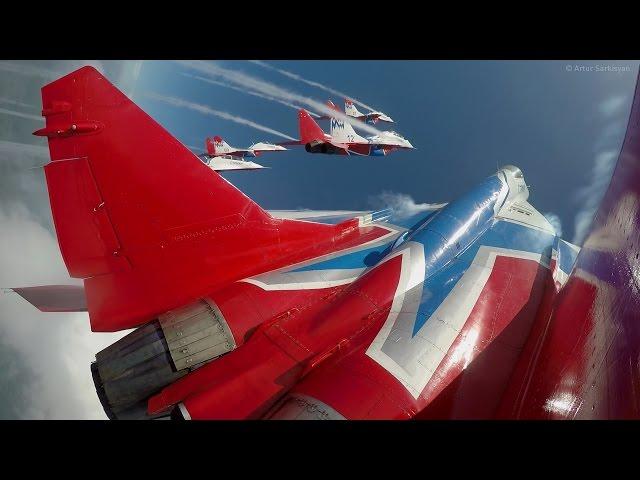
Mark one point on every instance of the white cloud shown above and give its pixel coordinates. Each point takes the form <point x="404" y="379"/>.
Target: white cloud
<point x="612" y="105"/>
<point x="44" y="357"/>
<point x="555" y="222"/>
<point x="53" y="350"/>
<point x="607" y="145"/>
<point x="591" y="195"/>
<point x="403" y="205"/>
<point x="129" y="77"/>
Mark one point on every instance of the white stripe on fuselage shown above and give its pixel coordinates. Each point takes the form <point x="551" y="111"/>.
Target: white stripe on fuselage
<point x="284" y="279"/>
<point x="413" y="360"/>
<point x="305" y="280"/>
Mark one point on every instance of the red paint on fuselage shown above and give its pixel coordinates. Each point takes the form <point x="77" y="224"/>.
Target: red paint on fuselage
<point x="271" y="362"/>
<point x="471" y="377"/>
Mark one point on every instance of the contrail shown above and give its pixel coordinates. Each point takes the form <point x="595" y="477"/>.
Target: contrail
<point x="21" y="115"/>
<point x="17" y="103"/>
<point x="249" y="92"/>
<point x="14" y="148"/>
<point x="29" y="70"/>
<point x="205" y="110"/>
<point x="297" y="77"/>
<point x="613" y="114"/>
<point x="256" y="84"/>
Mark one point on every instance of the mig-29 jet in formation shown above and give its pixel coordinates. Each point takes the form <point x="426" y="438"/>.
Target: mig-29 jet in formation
<point x="369" y="117"/>
<point x="220" y="156"/>
<point x="472" y="309"/>
<point x="351" y="111"/>
<point x="343" y="140"/>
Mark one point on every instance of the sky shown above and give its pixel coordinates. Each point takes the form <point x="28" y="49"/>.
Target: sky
<point x="561" y="122"/>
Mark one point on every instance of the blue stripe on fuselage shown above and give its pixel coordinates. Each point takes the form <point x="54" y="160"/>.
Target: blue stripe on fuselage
<point x="360" y="259"/>
<point x="566" y="256"/>
<point x="369" y="256"/>
<point x="502" y="234"/>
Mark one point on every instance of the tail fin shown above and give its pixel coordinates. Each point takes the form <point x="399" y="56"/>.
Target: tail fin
<point x="309" y="130"/>
<point x="210" y="146"/>
<point x="332" y="106"/>
<point x="342" y="131"/>
<point x="350" y="109"/>
<point x="217" y="146"/>
<point x="144" y="239"/>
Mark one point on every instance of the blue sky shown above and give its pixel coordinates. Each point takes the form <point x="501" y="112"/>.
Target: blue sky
<point x="464" y="117"/>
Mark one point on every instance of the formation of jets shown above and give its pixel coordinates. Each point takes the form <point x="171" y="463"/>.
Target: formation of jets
<point x="471" y="309"/>
<point x="342" y="140"/>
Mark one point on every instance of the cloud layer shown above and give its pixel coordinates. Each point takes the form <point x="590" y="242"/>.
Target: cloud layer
<point x="612" y="115"/>
<point x="47" y="355"/>
<point x="44" y="357"/>
<point x="555" y="222"/>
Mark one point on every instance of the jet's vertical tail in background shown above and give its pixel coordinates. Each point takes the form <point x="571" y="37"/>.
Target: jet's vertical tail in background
<point x="342" y="131"/>
<point x="310" y="131"/>
<point x="350" y="109"/>
<point x="217" y="146"/>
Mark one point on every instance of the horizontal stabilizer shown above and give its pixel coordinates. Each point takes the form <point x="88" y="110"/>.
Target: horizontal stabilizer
<point x="55" y="298"/>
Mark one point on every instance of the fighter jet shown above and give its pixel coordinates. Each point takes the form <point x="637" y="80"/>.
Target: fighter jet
<point x="370" y="117"/>
<point x="221" y="156"/>
<point x="343" y="139"/>
<point x="471" y="309"/>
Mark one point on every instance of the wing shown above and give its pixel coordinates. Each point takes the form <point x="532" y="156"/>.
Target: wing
<point x="266" y="147"/>
<point x="222" y="164"/>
